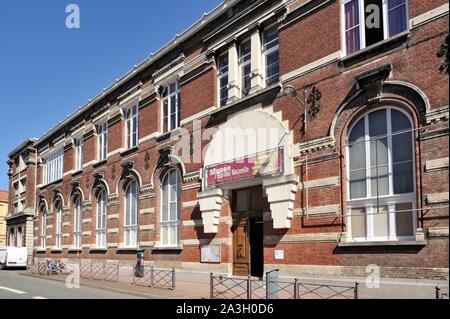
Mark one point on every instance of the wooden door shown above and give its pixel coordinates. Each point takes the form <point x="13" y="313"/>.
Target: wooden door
<point x="241" y="247"/>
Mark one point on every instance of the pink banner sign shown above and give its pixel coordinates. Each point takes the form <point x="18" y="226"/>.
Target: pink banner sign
<point x="267" y="163"/>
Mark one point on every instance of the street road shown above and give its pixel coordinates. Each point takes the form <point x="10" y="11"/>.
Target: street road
<point x="13" y="285"/>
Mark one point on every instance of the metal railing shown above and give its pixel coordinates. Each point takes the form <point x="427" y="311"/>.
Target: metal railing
<point x="104" y="272"/>
<point x="251" y="288"/>
<point x="440" y="294"/>
<point x="154" y="278"/>
<point x="39" y="268"/>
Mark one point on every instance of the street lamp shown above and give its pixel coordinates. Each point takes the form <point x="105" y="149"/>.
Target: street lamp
<point x="292" y="91"/>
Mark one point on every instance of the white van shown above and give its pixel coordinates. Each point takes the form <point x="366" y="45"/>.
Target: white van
<point x="13" y="257"/>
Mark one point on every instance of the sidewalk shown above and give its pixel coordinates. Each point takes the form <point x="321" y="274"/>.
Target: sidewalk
<point x="184" y="289"/>
<point x="191" y="287"/>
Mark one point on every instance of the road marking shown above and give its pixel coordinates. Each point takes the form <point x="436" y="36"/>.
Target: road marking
<point x="13" y="290"/>
<point x="38" y="297"/>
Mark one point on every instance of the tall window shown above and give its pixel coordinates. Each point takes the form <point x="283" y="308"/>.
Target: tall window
<point x="54" y="167"/>
<point x="170" y="208"/>
<point x="131" y="207"/>
<point x="101" y="219"/>
<point x="78" y="154"/>
<point x="58" y="230"/>
<point x="102" y="141"/>
<point x="171" y="107"/>
<point x="245" y="62"/>
<point x="381" y="196"/>
<point x="367" y="22"/>
<point x="78" y="223"/>
<point x="132" y="124"/>
<point x="272" y="55"/>
<point x="223" y="65"/>
<point x="44" y="228"/>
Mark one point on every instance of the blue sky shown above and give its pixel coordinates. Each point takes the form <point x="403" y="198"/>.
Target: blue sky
<point x="47" y="70"/>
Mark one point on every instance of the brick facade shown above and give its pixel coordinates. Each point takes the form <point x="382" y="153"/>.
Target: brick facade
<point x="310" y="56"/>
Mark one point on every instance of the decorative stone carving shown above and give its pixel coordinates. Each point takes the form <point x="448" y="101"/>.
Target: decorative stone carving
<point x="443" y="54"/>
<point x="281" y="196"/>
<point x="210" y="202"/>
<point x="313" y="101"/>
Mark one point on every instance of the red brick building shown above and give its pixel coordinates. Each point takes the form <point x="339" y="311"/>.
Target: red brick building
<point x="310" y="136"/>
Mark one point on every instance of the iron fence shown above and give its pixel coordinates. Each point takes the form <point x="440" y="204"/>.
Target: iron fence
<point x="154" y="278"/>
<point x="273" y="288"/>
<point x="39" y="268"/>
<point x="103" y="272"/>
<point x="441" y="294"/>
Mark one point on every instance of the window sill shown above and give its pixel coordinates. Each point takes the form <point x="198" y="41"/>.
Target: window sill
<point x="56" y="250"/>
<point x="374" y="50"/>
<point x="167" y="248"/>
<point x="169" y="136"/>
<point x="127" y="249"/>
<point x="100" y="163"/>
<point x="98" y="249"/>
<point x="76" y="173"/>
<point x="41" y="250"/>
<point x="75" y="250"/>
<point x="383" y="243"/>
<point x="130" y="151"/>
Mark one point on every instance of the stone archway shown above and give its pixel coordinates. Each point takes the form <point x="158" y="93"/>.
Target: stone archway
<point x="245" y="134"/>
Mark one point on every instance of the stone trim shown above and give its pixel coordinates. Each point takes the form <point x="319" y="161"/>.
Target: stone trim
<point x="317" y="183"/>
<point x="428" y="16"/>
<point x="204" y="242"/>
<point x="228" y="220"/>
<point x="147" y="244"/>
<point x="439" y="114"/>
<point x="311" y="67"/>
<point x="112" y="245"/>
<point x="147" y="211"/>
<point x="87" y="221"/>
<point x="87" y="233"/>
<point x="316" y="145"/>
<point x="318" y="210"/>
<point x="302" y="238"/>
<point x="113" y="216"/>
<point x="146" y="228"/>
<point x="112" y="231"/>
<point x="437" y="164"/>
<point x="438" y="232"/>
<point x="437" y="198"/>
<point x="191" y="204"/>
<point x="191" y="186"/>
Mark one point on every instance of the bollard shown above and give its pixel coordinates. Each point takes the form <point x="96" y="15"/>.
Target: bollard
<point x="249" y="288"/>
<point x="211" y="286"/>
<point x="356" y="290"/>
<point x="173" y="278"/>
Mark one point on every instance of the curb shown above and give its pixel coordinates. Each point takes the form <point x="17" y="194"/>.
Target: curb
<point x="133" y="293"/>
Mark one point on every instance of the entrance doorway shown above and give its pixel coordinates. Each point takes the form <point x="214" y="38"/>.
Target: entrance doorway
<point x="248" y="232"/>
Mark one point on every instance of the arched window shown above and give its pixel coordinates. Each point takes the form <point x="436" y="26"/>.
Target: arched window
<point x="78" y="223"/>
<point x="101" y="219"/>
<point x="58" y="230"/>
<point x="381" y="177"/>
<point x="131" y="207"/>
<point x="170" y="208"/>
<point x="44" y="227"/>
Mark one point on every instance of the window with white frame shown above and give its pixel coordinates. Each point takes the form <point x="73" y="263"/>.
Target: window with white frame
<point x="223" y="68"/>
<point x="102" y="142"/>
<point x="78" y="223"/>
<point x="131" y="208"/>
<point x="78" y="154"/>
<point x="367" y="22"/>
<point x="381" y="177"/>
<point x="171" y="104"/>
<point x="43" y="227"/>
<point x="58" y="229"/>
<point x="54" y="167"/>
<point x="101" y="219"/>
<point x="170" y="208"/>
<point x="271" y="55"/>
<point x="131" y="127"/>
<point x="245" y="66"/>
